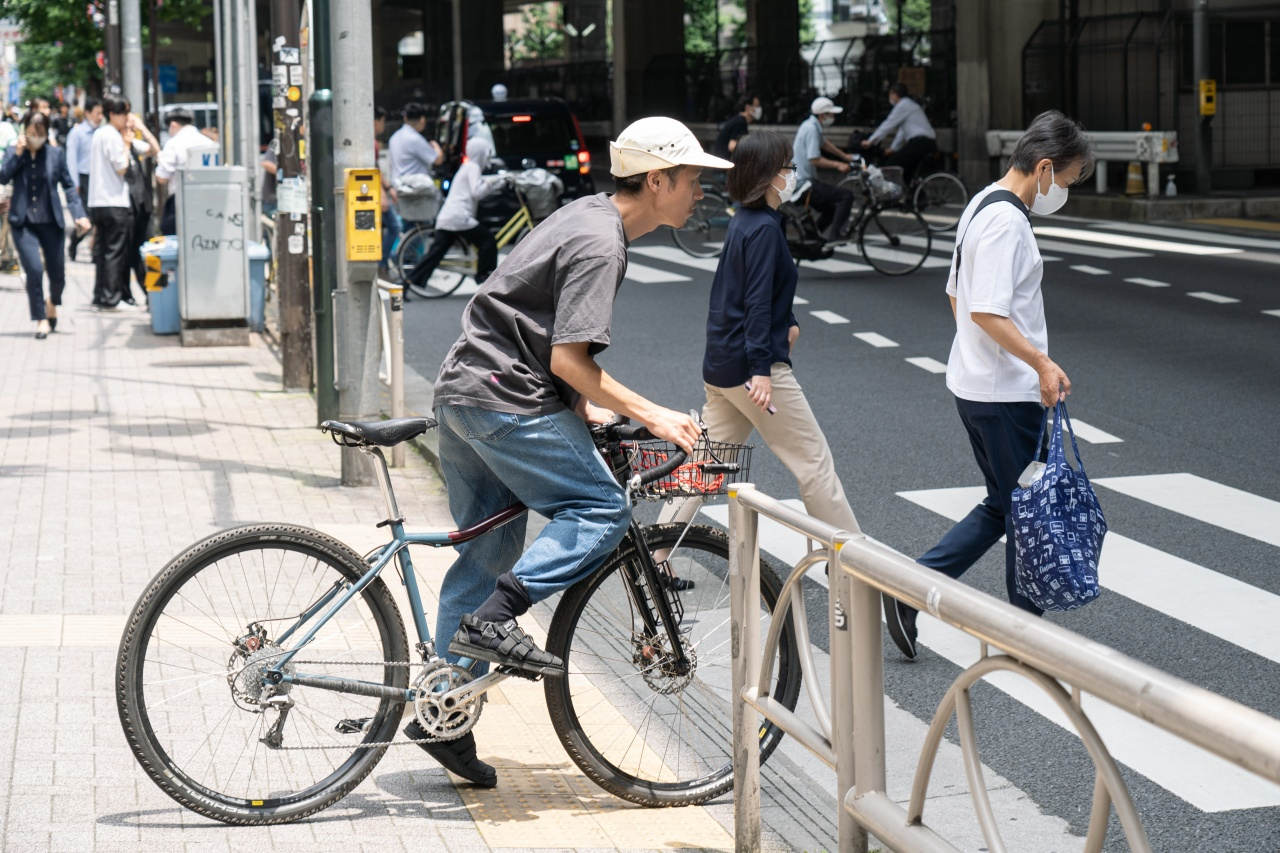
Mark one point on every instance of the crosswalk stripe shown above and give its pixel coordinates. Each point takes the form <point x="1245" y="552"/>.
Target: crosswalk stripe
<point x="875" y="339"/>
<point x="829" y="317"/>
<point x="1205" y="781"/>
<point x="895" y="256"/>
<point x="1089" y="251"/>
<point x="1093" y="435"/>
<point x="1088" y="270"/>
<point x="925" y="363"/>
<point x="1212" y="297"/>
<point x="1204" y="500"/>
<point x="672" y="255"/>
<point x="799" y="300"/>
<point x="1273" y="312"/>
<point x="1147" y="282"/>
<point x="1140" y="243"/>
<point x="835" y="265"/>
<point x="1190" y="234"/>
<point x="652" y="275"/>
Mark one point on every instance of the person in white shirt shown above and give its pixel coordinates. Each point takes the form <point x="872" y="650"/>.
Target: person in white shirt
<point x="184" y="138"/>
<point x="109" y="205"/>
<point x="412" y="153"/>
<point x="457" y="218"/>
<point x="78" y="159"/>
<point x="913" y="137"/>
<point x="999" y="370"/>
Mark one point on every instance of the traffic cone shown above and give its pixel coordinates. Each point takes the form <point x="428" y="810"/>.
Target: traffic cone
<point x="1133" y="184"/>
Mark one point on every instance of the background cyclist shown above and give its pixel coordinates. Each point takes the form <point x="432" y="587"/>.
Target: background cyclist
<point x="914" y="138"/>
<point x="514" y="397"/>
<point x="811" y="152"/>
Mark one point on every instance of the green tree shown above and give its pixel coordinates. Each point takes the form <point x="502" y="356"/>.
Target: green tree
<point x="541" y="33"/>
<point x="916" y="14"/>
<point x="62" y="39"/>
<point x="707" y="20"/>
<point x="807" y="31"/>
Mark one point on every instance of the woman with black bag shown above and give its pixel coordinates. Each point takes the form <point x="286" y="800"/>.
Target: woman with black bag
<point x="143" y="149"/>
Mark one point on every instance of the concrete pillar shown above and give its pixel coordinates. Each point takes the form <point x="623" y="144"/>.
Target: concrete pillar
<point x="477" y="47"/>
<point x="648" y="59"/>
<point x="437" y="52"/>
<point x="775" y="68"/>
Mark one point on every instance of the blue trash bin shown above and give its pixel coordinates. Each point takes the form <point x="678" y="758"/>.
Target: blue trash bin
<point x="259" y="257"/>
<point x="162" y="284"/>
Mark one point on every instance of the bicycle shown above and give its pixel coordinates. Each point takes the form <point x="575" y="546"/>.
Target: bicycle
<point x="263" y="673"/>
<point x="703" y="233"/>
<point x="892" y="237"/>
<point x="939" y="196"/>
<point x="461" y="260"/>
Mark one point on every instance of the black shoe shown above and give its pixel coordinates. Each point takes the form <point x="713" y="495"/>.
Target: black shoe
<point x="901" y="619"/>
<point x="504" y="644"/>
<point x="458" y="756"/>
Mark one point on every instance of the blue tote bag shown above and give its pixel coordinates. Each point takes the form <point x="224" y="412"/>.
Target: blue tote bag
<point x="1058" y="528"/>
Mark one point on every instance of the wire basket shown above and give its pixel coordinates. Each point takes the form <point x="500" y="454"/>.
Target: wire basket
<point x="886" y="183"/>
<point x="691" y="479"/>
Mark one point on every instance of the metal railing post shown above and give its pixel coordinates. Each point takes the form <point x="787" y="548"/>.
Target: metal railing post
<point x="868" y="684"/>
<point x="395" y="313"/>
<point x="845" y="735"/>
<point x="744" y="633"/>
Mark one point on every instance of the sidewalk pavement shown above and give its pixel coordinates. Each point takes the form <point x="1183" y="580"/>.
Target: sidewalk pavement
<point x="118" y="448"/>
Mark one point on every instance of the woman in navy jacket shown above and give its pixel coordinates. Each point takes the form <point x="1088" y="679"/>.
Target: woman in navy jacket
<point x="746" y="369"/>
<point x="36" y="169"/>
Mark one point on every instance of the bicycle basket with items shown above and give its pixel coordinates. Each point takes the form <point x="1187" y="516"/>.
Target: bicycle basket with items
<point x="709" y="470"/>
<point x="418" y="199"/>
<point x="541" y="190"/>
<point x="886" y="182"/>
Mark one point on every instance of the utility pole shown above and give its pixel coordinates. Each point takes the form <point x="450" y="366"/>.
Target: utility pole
<point x="290" y="250"/>
<point x="324" y="251"/>
<point x="131" y="55"/>
<point x="355" y="294"/>
<point x="1208" y="94"/>
<point x="247" y="71"/>
<point x="155" y="64"/>
<point x="112" y="79"/>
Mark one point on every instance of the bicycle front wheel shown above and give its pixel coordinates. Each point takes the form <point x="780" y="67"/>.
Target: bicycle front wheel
<point x="190" y="675"/>
<point x="455" y="268"/>
<point x="704" y="231"/>
<point x="941" y="199"/>
<point x="895" y="240"/>
<point x="637" y="728"/>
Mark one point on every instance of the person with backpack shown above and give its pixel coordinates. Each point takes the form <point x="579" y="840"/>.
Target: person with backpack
<point x="999" y="369"/>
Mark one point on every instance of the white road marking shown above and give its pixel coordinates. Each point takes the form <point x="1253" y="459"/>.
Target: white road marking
<point x="1088" y="270"/>
<point x="1147" y="282"/>
<point x="1204" y="500"/>
<point x="652" y="275"/>
<point x="1212" y="297"/>
<point x="897" y="257"/>
<point x="835" y="265"/>
<point x="1141" y="243"/>
<point x="829" y="317"/>
<point x="1189" y="234"/>
<point x="1274" y="312"/>
<point x="1049" y="258"/>
<point x="672" y="255"/>
<point x="875" y="339"/>
<point x="1093" y="435"/>
<point x="1087" y="251"/>
<point x="925" y="363"/>
<point x="799" y="300"/>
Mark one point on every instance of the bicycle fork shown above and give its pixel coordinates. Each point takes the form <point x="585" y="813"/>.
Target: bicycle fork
<point x="649" y="596"/>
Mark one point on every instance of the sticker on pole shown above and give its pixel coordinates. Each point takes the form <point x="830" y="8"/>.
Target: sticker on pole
<point x="296" y="244"/>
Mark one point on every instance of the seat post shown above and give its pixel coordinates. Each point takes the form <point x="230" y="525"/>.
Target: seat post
<point x="384" y="481"/>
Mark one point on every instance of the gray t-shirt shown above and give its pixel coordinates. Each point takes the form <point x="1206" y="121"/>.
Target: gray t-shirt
<point x="556" y="287"/>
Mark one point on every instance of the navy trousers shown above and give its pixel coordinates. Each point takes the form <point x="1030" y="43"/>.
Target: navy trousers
<point x="32" y="240"/>
<point x="1004" y="437"/>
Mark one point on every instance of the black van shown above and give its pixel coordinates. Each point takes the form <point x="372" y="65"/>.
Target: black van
<point x="536" y="132"/>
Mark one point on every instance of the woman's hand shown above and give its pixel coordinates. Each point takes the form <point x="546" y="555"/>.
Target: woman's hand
<point x="760" y="390"/>
<point x="792" y="334"/>
<point x="22" y="142"/>
<point x="82" y="225"/>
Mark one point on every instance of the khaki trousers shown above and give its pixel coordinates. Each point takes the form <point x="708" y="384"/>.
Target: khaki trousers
<point x="792" y="434"/>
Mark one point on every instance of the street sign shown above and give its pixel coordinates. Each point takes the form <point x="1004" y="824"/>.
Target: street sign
<point x="1208" y="97"/>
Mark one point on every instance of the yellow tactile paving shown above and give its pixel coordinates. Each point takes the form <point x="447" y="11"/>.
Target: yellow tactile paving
<point x="1252" y="224"/>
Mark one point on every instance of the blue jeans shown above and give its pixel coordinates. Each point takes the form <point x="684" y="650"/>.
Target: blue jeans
<point x="549" y="463"/>
<point x="1004" y="437"/>
<point x="392" y="228"/>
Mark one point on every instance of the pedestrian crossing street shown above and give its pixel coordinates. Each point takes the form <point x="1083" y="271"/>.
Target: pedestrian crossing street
<point x="1200" y="599"/>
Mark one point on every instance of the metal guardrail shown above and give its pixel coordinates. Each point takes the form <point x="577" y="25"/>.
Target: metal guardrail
<point x="850" y="736"/>
<point x="1150" y="147"/>
<point x="391" y="363"/>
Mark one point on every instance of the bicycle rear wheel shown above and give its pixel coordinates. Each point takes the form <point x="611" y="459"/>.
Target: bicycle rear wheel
<point x="940" y="198"/>
<point x="448" y="275"/>
<point x="895" y="240"/>
<point x="703" y="233"/>
<point x="189" y="675"/>
<point x="641" y="732"/>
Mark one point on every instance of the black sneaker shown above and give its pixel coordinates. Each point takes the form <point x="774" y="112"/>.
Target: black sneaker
<point x="504" y="644"/>
<point x="901" y="620"/>
<point x="458" y="756"/>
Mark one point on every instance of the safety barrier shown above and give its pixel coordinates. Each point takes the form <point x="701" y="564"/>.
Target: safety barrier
<point x="1150" y="147"/>
<point x="849" y="734"/>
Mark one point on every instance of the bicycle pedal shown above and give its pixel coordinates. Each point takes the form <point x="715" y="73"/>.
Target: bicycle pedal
<point x="519" y="673"/>
<point x="353" y="726"/>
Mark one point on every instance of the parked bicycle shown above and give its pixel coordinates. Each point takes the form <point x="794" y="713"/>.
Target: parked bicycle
<point x="891" y="236"/>
<point x="264" y="672"/>
<point x="939" y="196"/>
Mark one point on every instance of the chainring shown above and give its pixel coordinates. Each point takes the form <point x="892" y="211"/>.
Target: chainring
<point x="440" y="717"/>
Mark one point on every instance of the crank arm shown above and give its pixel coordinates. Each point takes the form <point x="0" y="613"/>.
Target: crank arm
<point x="466" y="692"/>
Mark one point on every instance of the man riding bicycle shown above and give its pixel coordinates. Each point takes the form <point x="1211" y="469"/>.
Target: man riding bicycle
<point x="457" y="218"/>
<point x="832" y="203"/>
<point x="914" y="138"/>
<point x="514" y="398"/>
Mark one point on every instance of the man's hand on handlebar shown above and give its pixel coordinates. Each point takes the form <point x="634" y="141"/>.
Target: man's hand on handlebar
<point x="593" y="414"/>
<point x="681" y="430"/>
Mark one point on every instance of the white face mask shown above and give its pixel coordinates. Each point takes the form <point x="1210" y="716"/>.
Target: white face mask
<point x="1051" y="201"/>
<point x="827" y="119"/>
<point x="788" y="190"/>
<point x="756" y="112"/>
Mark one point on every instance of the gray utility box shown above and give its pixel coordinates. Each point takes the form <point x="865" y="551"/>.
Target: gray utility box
<point x="212" y="209"/>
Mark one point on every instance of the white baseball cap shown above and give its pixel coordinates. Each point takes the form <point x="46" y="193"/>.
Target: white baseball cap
<point x="824" y="105"/>
<point x="658" y="142"/>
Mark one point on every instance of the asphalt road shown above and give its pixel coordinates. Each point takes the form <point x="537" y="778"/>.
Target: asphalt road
<point x="1175" y="380"/>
